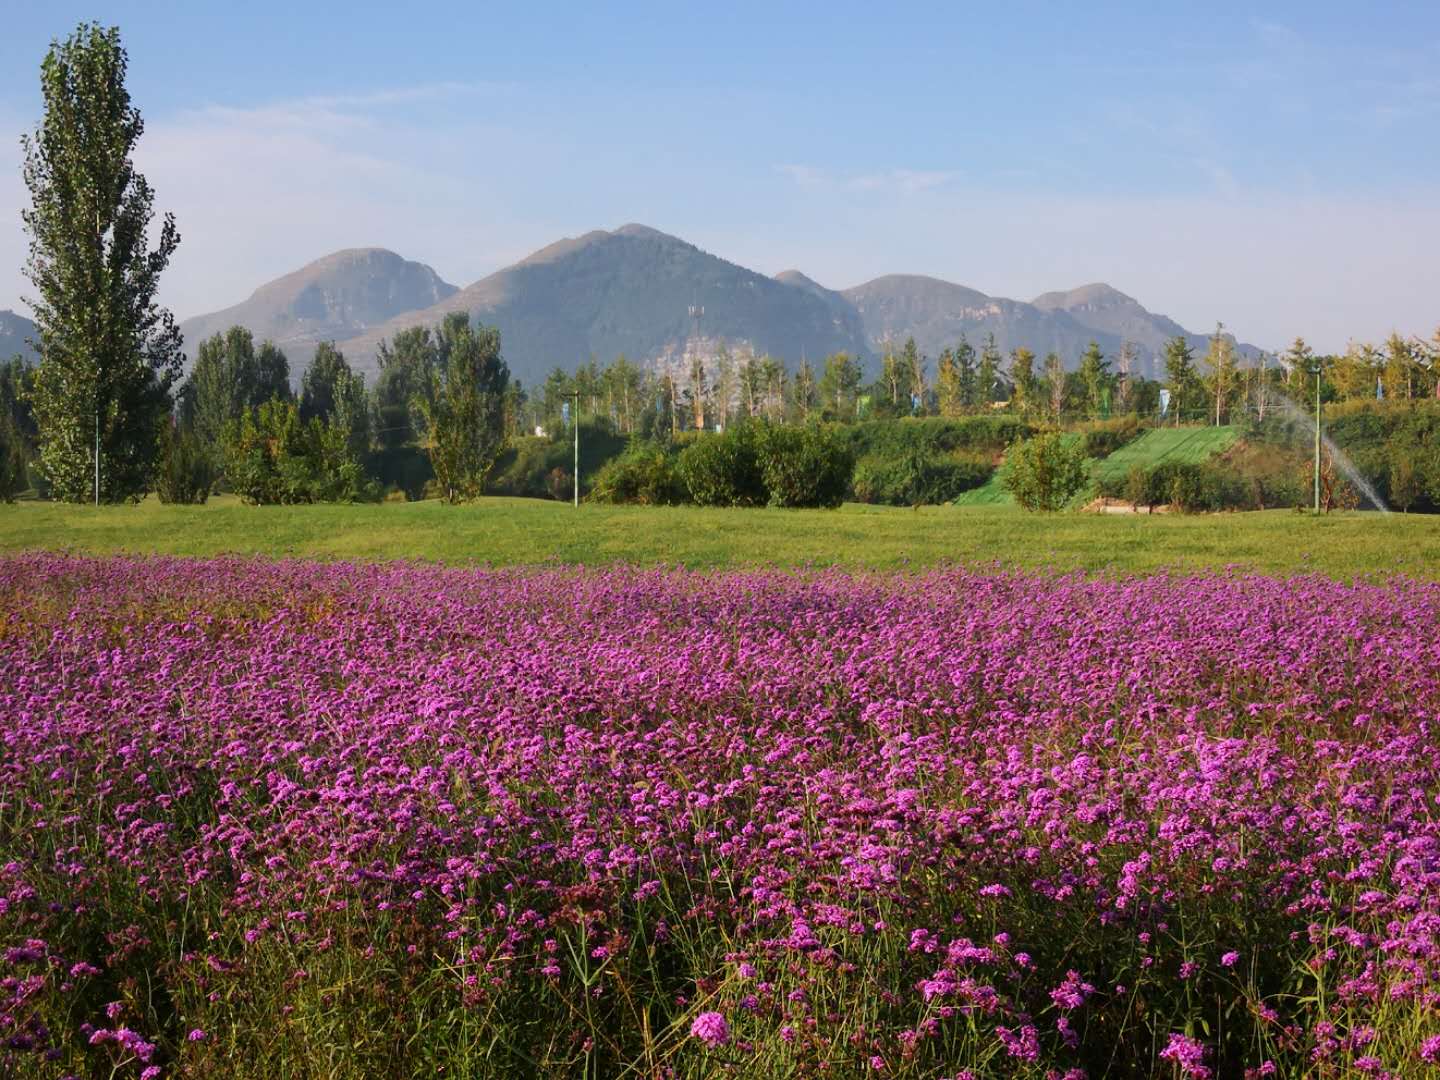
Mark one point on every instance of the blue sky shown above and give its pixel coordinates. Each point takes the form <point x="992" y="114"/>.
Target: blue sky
<point x="1278" y="171"/>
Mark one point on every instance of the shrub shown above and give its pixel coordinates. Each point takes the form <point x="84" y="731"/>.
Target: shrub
<point x="401" y="468"/>
<point x="916" y="479"/>
<point x="186" y="473"/>
<point x="803" y="466"/>
<point x="1045" y="472"/>
<point x="982" y="435"/>
<point x="644" y="474"/>
<point x="723" y="469"/>
<point x="273" y="458"/>
<point x="13" y="457"/>
<point x="1136" y="489"/>
<point x="1101" y="438"/>
<point x="526" y="467"/>
<point x="1178" y="484"/>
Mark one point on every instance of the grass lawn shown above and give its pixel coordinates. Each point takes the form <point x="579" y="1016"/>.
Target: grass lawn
<point x="1188" y="445"/>
<point x="523" y="531"/>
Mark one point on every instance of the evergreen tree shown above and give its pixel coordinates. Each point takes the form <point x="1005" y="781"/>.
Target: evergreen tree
<point x="1022" y="376"/>
<point x="987" y="376"/>
<point x="1180" y="373"/>
<point x="109" y="353"/>
<point x="965" y="374"/>
<point x="1298" y="360"/>
<point x="1094" y="373"/>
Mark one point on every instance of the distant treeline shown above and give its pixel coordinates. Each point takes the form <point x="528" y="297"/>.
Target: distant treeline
<point x="444" y="418"/>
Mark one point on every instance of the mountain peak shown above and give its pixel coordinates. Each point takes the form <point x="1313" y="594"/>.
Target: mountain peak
<point x="1094" y="296"/>
<point x="334" y="297"/>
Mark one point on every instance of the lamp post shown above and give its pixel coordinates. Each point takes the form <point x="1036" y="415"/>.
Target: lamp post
<point x="576" y="395"/>
<point x="1316" y="370"/>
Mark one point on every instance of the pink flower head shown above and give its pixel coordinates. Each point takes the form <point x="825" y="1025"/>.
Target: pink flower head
<point x="711" y="1029"/>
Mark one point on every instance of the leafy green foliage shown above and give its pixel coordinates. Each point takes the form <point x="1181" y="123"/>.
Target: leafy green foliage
<point x="230" y="377"/>
<point x="541" y="467"/>
<point x="273" y="458"/>
<point x="803" y="466"/>
<point x="723" y="469"/>
<point x="13" y="458"/>
<point x="186" y="472"/>
<point x="980" y="435"/>
<point x="1045" y="472"/>
<point x="1101" y="438"/>
<point x="109" y="353"/>
<point x="916" y="478"/>
<point x="464" y="408"/>
<point x="644" y="474"/>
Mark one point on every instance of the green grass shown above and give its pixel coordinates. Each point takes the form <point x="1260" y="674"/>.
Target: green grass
<point x="523" y="531"/>
<point x="1188" y="445"/>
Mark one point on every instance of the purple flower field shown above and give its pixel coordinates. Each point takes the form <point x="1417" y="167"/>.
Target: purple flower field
<point x="289" y="819"/>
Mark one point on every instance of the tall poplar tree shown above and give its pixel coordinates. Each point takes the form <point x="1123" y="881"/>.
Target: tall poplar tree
<point x="464" y="410"/>
<point x="109" y="353"/>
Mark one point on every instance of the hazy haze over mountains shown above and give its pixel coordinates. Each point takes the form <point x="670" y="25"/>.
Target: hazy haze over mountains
<point x="330" y="299"/>
<point x="630" y="291"/>
<point x="15" y="330"/>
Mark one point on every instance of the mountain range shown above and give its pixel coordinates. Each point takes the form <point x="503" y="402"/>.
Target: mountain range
<point x="637" y="291"/>
<point x="16" y="331"/>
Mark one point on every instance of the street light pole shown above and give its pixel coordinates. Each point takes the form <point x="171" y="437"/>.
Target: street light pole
<point x="577" y="449"/>
<point x="1317" y="438"/>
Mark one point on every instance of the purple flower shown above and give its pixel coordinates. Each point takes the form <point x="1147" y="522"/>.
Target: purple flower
<point x="1188" y="1054"/>
<point x="711" y="1029"/>
<point x="1229" y="959"/>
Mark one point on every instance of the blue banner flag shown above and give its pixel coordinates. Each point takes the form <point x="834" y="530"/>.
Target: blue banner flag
<point x="1164" y="402"/>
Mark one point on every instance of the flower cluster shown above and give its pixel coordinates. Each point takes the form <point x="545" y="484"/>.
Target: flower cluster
<point x="279" y="818"/>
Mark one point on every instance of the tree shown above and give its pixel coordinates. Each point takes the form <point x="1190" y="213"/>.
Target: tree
<point x="1405" y="485"/>
<point x="1125" y="381"/>
<point x="839" y="386"/>
<point x="464" y="411"/>
<point x="109" y="353"/>
<point x="405" y="367"/>
<point x="806" y="390"/>
<point x="1220" y="359"/>
<point x="894" y="375"/>
<point x="318" y="385"/>
<point x="332" y="393"/>
<point x="987" y="375"/>
<point x="1055" y="383"/>
<point x="1094" y="373"/>
<point x="1022" y="375"/>
<point x="1180" y="372"/>
<point x="229" y="378"/>
<point x="1298" y="359"/>
<point x="1045" y="472"/>
<point x="947" y="385"/>
<point x="915" y="376"/>
<point x="1401" y="368"/>
<point x="965" y="371"/>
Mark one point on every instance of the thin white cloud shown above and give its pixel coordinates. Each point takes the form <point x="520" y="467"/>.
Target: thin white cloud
<point x="886" y="181"/>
